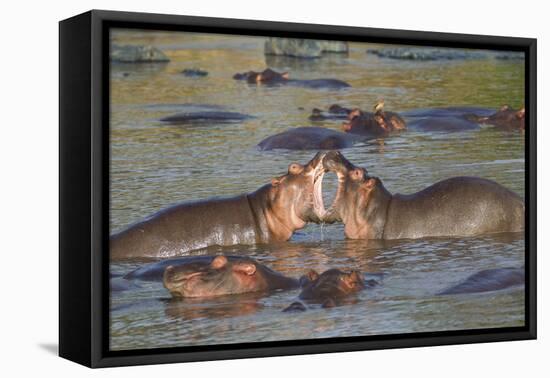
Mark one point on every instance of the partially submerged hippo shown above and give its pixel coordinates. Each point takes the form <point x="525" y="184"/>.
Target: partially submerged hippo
<point x="205" y="117"/>
<point x="459" y="206"/>
<point x="270" y="214"/>
<point x="379" y="123"/>
<point x="488" y="280"/>
<point x="220" y="275"/>
<point x="308" y="138"/>
<point x="448" y="119"/>
<point x="506" y="118"/>
<point x="271" y="77"/>
<point x="330" y="288"/>
<point x="335" y="111"/>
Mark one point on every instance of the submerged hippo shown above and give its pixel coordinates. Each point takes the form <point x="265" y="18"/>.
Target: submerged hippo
<point x="448" y="119"/>
<point x="205" y="117"/>
<point x="459" y="206"/>
<point x="488" y="280"/>
<point x="308" y="138"/>
<point x="335" y="111"/>
<point x="330" y="288"/>
<point x="271" y="77"/>
<point x="222" y="276"/>
<point x="379" y="123"/>
<point x="506" y="118"/>
<point x="270" y="214"/>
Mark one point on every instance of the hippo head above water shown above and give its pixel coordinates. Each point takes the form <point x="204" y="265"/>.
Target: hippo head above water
<point x="331" y="286"/>
<point x="295" y="198"/>
<point x="505" y="118"/>
<point x="375" y="124"/>
<point x="267" y="76"/>
<point x="355" y="191"/>
<point x="223" y="276"/>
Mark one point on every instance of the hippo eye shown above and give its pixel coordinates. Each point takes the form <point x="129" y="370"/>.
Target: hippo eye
<point x="356" y="174"/>
<point x="295" y="168"/>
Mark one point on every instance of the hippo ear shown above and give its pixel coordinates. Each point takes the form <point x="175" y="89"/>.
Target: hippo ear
<point x="346" y="126"/>
<point x="504" y="108"/>
<point x="356" y="174"/>
<point x="219" y="262"/>
<point x="520" y="113"/>
<point x="245" y="267"/>
<point x="312" y="275"/>
<point x="275" y="181"/>
<point x="284" y="75"/>
<point x="370" y="183"/>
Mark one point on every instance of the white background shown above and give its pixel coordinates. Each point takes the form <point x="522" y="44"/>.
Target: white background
<point x="29" y="186"/>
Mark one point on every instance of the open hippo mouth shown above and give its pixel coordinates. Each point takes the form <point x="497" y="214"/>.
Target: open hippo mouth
<point x="318" y="203"/>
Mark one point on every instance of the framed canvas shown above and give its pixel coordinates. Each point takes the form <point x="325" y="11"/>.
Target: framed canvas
<point x="234" y="188"/>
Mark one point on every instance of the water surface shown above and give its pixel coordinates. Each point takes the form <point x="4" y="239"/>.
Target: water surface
<point x="154" y="165"/>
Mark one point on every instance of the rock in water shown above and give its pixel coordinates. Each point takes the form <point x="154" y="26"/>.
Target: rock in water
<point x="303" y="48"/>
<point x="137" y="54"/>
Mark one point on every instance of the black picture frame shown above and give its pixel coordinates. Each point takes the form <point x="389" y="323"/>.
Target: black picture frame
<point x="84" y="190"/>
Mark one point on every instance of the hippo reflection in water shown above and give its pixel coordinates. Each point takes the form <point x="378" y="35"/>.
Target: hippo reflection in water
<point x="270" y="214"/>
<point x="223" y="276"/>
<point x="459" y="206"/>
<point x="271" y="77"/>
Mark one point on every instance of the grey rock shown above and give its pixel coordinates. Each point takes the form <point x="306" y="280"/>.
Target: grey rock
<point x="302" y="48"/>
<point x="137" y="54"/>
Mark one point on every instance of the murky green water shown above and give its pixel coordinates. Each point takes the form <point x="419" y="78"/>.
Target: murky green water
<point x="154" y="165"/>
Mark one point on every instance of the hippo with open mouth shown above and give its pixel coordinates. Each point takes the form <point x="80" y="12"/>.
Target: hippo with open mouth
<point x="459" y="206"/>
<point x="220" y="275"/>
<point x="271" y="77"/>
<point x="270" y="214"/>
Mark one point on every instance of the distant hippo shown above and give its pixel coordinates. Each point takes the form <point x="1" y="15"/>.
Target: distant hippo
<point x="220" y="275"/>
<point x="329" y="289"/>
<point x="200" y="117"/>
<point x="377" y="124"/>
<point x="335" y="111"/>
<point x="459" y="206"/>
<point x="270" y="214"/>
<point x="449" y="119"/>
<point x="271" y="77"/>
<point x="308" y="138"/>
<point x="488" y="280"/>
<point x="506" y="118"/>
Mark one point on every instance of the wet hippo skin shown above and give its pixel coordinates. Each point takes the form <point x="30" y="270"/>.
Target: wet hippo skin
<point x="488" y="280"/>
<point x="308" y="138"/>
<point x="270" y="214"/>
<point x="205" y="117"/>
<point x="271" y="77"/>
<point x="459" y="206"/>
<point x="223" y="276"/>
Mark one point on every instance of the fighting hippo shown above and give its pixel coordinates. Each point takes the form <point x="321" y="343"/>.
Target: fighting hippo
<point x="459" y="206"/>
<point x="271" y="77"/>
<point x="506" y="118"/>
<point x="205" y="117"/>
<point x="377" y="124"/>
<point x="309" y="138"/>
<point x="270" y="214"/>
<point x="330" y="288"/>
<point x="488" y="280"/>
<point x="221" y="275"/>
